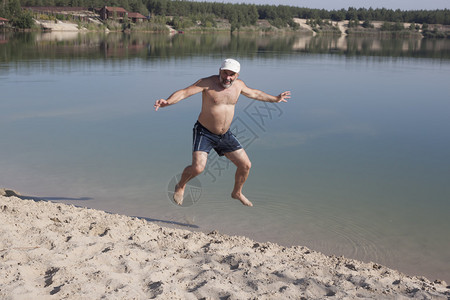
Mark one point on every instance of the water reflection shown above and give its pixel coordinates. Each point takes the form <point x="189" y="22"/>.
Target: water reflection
<point x="57" y="36"/>
<point x="72" y="45"/>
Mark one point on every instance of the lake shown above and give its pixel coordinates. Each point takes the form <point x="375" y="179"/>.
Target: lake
<point x="355" y="164"/>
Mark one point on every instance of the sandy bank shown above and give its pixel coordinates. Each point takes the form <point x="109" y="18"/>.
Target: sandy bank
<point x="58" y="25"/>
<point x="342" y="25"/>
<point x="57" y="251"/>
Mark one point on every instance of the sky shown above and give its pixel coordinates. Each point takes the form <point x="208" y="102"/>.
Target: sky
<point x="338" y="4"/>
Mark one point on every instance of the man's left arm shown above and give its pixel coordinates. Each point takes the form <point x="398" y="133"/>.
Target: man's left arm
<point x="261" y="96"/>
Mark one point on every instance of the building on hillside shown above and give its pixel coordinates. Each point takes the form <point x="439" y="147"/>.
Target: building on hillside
<point x="84" y="13"/>
<point x="3" y="21"/>
<point x="136" y="17"/>
<point x="117" y="13"/>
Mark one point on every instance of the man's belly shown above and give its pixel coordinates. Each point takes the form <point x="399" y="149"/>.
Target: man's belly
<point x="216" y="124"/>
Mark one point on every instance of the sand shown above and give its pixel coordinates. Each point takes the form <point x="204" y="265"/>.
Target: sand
<point x="58" y="25"/>
<point x="58" y="251"/>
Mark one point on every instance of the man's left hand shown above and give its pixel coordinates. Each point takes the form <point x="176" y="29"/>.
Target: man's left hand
<point x="283" y="96"/>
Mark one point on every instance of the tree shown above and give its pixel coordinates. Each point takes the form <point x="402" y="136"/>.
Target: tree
<point x="338" y="15"/>
<point x="253" y="14"/>
<point x="23" y="21"/>
<point x="367" y="24"/>
<point x="14" y="8"/>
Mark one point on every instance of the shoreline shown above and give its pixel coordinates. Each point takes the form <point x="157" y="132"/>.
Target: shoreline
<point x="341" y="28"/>
<point x="53" y="250"/>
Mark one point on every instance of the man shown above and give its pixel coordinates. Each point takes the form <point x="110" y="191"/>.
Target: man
<point x="212" y="130"/>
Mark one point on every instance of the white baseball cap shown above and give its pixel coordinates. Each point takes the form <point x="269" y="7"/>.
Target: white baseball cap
<point x="231" y="64"/>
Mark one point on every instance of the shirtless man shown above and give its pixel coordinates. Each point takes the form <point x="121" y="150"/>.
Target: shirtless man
<point x="220" y="94"/>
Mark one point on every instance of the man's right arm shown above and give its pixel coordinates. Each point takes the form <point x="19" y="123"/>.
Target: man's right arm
<point x="180" y="95"/>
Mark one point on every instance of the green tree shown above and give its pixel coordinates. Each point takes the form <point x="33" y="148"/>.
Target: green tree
<point x="367" y="24"/>
<point x="353" y="23"/>
<point x="14" y="8"/>
<point x="338" y="15"/>
<point x="253" y="14"/>
<point x="23" y="21"/>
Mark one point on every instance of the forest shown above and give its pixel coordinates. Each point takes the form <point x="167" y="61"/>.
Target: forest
<point x="239" y="14"/>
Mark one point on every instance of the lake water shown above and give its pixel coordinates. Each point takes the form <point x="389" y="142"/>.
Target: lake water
<point x="357" y="163"/>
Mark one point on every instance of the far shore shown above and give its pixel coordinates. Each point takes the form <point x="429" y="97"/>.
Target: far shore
<point x="336" y="28"/>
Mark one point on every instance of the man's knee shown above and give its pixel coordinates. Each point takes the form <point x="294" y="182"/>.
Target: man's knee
<point x="197" y="169"/>
<point x="246" y="165"/>
<point x="199" y="160"/>
<point x="240" y="159"/>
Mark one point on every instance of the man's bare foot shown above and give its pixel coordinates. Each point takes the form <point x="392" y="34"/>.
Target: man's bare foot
<point x="178" y="195"/>
<point x="242" y="198"/>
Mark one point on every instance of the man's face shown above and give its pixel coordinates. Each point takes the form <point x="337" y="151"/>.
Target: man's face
<point x="227" y="78"/>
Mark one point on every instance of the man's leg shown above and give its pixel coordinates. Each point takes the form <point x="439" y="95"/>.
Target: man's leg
<point x="199" y="159"/>
<point x="243" y="164"/>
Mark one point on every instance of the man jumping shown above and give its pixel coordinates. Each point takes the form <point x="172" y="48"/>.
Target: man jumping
<point x="220" y="94"/>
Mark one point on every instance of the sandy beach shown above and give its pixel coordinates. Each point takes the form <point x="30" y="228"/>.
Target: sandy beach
<point x="58" y="251"/>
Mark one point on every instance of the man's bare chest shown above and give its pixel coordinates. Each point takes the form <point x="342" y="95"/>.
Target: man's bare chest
<point x="223" y="97"/>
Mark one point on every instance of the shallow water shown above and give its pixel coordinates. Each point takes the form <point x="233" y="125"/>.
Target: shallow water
<point x="356" y="164"/>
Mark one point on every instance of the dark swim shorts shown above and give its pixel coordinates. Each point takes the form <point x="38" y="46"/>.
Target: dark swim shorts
<point x="204" y="140"/>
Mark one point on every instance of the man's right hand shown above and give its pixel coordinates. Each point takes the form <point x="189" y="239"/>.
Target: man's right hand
<point x="160" y="103"/>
